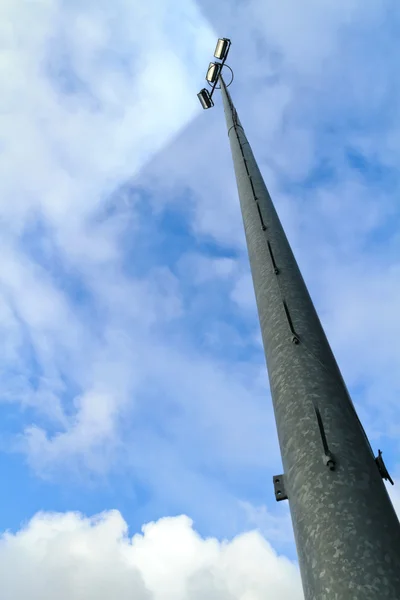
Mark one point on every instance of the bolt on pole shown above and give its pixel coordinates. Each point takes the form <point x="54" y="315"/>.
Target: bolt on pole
<point x="346" y="530"/>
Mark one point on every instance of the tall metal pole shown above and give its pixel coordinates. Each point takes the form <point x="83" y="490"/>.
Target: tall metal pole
<point x="346" y="530"/>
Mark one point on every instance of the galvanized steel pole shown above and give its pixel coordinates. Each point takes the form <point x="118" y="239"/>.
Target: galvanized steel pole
<point x="346" y="530"/>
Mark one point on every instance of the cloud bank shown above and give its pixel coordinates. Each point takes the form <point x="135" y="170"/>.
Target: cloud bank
<point x="71" y="557"/>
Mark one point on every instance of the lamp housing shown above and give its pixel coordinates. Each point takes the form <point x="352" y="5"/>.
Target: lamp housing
<point x="213" y="72"/>
<point x="222" y="48"/>
<point x="205" y="98"/>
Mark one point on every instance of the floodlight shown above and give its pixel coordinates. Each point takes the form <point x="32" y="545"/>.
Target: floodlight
<point x="205" y="98"/>
<point x="213" y="72"/>
<point x="222" y="48"/>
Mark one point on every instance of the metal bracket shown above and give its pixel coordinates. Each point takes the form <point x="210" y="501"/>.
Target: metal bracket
<point x="279" y="486"/>
<point x="328" y="458"/>
<point x="382" y="468"/>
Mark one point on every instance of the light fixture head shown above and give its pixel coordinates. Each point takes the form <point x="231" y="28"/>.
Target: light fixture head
<point x="205" y="98"/>
<point x="213" y="72"/>
<point x="222" y="48"/>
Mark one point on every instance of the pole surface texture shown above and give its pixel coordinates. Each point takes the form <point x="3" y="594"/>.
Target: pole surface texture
<point x="346" y="530"/>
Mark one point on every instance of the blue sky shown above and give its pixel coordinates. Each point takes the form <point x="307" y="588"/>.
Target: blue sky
<point x="132" y="371"/>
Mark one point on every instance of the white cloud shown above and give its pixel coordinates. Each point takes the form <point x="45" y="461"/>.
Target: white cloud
<point x="88" y="111"/>
<point x="81" y="111"/>
<point x="71" y="557"/>
<point x="90" y="436"/>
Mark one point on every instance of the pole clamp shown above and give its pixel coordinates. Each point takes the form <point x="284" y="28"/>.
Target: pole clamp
<point x="279" y="487"/>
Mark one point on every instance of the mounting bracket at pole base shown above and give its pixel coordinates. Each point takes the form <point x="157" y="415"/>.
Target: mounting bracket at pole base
<point x="279" y="486"/>
<point x="295" y="340"/>
<point x="382" y="468"/>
